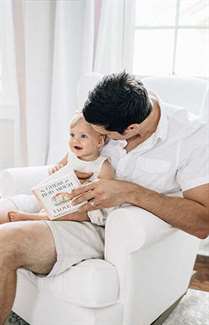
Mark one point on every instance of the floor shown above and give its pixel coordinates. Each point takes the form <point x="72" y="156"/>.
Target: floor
<point x="200" y="279"/>
<point x="15" y="320"/>
<point x="192" y="309"/>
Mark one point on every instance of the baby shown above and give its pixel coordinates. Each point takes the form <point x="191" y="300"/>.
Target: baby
<point x="84" y="156"/>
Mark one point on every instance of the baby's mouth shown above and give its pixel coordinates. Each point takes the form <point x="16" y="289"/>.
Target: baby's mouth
<point x="78" y="148"/>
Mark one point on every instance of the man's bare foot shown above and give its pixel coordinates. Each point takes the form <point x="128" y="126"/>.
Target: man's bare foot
<point x="24" y="216"/>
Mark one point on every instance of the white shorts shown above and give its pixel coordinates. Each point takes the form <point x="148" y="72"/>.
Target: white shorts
<point x="75" y="242"/>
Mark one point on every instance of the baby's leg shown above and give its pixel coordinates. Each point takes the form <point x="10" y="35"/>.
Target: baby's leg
<point x="5" y="206"/>
<point x="23" y="216"/>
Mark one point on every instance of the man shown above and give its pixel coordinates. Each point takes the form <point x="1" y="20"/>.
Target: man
<point x="164" y="153"/>
<point x="167" y="154"/>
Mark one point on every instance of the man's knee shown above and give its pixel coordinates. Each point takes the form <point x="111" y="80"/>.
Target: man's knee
<point x="11" y="246"/>
<point x="27" y="244"/>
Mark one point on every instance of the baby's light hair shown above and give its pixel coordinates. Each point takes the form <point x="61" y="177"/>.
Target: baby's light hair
<point x="76" y="118"/>
<point x="79" y="116"/>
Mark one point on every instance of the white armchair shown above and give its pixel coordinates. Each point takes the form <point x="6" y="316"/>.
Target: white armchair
<point x="147" y="266"/>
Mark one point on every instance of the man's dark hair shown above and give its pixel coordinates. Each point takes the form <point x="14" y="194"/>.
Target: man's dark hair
<point x="118" y="101"/>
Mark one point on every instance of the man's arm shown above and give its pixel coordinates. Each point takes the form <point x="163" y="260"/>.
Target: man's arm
<point x="107" y="171"/>
<point x="190" y="213"/>
<point x="75" y="216"/>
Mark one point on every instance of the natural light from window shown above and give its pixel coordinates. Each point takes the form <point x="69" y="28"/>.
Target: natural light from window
<point x="172" y="38"/>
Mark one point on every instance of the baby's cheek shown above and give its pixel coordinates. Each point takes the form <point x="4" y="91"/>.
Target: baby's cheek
<point x="88" y="143"/>
<point x="69" y="144"/>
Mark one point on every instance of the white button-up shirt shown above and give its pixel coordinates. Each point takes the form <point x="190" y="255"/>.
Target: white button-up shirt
<point x="174" y="159"/>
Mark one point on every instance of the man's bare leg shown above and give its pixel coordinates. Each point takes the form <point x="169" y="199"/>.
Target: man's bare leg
<point x="23" y="216"/>
<point x="22" y="244"/>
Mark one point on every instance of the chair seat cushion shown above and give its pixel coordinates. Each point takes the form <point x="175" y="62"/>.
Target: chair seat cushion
<point x="92" y="283"/>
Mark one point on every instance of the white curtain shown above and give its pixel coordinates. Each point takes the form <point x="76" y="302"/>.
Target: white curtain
<point x="89" y="36"/>
<point x="73" y="57"/>
<point x="33" y="40"/>
<point x="9" y="86"/>
<point x="54" y="46"/>
<point x="55" y="43"/>
<point x="115" y="36"/>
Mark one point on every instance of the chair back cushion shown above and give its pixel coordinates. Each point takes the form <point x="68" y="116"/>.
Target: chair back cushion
<point x="191" y="93"/>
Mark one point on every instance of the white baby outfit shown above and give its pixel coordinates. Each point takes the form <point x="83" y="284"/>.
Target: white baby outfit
<point x="94" y="166"/>
<point x="84" y="166"/>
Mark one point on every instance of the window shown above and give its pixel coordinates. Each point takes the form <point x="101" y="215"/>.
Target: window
<point x="171" y="38"/>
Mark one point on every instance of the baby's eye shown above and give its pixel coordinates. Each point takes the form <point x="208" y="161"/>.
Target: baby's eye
<point x="84" y="136"/>
<point x="72" y="135"/>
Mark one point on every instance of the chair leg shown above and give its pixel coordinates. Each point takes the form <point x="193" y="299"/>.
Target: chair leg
<point x="160" y="320"/>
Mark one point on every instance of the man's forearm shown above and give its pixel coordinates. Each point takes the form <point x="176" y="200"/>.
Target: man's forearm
<point x="190" y="213"/>
<point x="76" y="216"/>
<point x="181" y="213"/>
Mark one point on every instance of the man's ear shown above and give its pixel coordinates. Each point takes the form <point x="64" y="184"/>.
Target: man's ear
<point x="132" y="128"/>
<point x="106" y="139"/>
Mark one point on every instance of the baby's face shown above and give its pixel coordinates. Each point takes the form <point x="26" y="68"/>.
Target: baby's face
<point x="84" y="141"/>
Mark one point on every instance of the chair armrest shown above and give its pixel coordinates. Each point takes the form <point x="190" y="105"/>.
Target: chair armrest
<point x="129" y="228"/>
<point x="139" y="244"/>
<point x="20" y="180"/>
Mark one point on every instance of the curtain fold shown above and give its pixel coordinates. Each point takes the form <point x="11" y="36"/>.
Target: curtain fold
<point x="115" y="36"/>
<point x="54" y="47"/>
<point x="33" y="30"/>
<point x="73" y="57"/>
<point x="39" y="40"/>
<point x="21" y="148"/>
<point x="12" y="73"/>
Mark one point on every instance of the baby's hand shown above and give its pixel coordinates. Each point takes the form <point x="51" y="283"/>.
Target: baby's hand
<point x="55" y="168"/>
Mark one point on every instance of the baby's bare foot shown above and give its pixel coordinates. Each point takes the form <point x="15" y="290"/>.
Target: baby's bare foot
<point x="24" y="216"/>
<point x="16" y="216"/>
<point x="4" y="218"/>
<point x="5" y="206"/>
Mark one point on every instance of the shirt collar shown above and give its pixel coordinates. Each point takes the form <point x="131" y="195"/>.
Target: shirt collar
<point x="162" y="128"/>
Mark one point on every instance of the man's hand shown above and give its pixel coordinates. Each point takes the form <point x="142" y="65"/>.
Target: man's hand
<point x="102" y="194"/>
